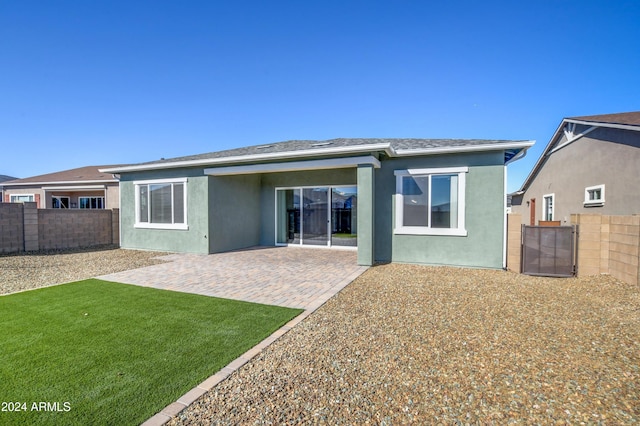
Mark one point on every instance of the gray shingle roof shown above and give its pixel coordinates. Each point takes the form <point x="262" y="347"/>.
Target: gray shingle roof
<point x="304" y="145"/>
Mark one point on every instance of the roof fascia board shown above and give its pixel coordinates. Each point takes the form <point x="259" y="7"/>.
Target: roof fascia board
<point x="71" y="182"/>
<point x="573" y="139"/>
<point x="75" y="188"/>
<point x="255" y="157"/>
<point x="468" y="148"/>
<point x="600" y="124"/>
<point x="332" y="163"/>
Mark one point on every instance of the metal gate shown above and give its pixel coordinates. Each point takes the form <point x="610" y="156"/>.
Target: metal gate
<point x="549" y="251"/>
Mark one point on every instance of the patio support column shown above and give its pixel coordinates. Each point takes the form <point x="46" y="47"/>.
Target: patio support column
<point x="366" y="194"/>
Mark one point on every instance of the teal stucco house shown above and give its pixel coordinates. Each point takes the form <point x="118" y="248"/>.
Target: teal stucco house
<point x="431" y="201"/>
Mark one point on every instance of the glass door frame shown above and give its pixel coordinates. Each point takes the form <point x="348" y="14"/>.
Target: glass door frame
<point x="300" y="190"/>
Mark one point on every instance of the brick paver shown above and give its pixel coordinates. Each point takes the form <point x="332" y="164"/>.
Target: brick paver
<point x="284" y="276"/>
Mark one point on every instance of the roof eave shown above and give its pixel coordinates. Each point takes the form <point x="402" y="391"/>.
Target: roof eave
<point x="386" y="147"/>
<point x="53" y="182"/>
<point x="466" y="148"/>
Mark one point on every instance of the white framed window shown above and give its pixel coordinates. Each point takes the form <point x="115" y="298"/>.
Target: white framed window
<point x="594" y="196"/>
<point x="161" y="203"/>
<point x="548" y="206"/>
<point x="21" y="198"/>
<point x="431" y="201"/>
<point x="91" y="202"/>
<point x="59" y="202"/>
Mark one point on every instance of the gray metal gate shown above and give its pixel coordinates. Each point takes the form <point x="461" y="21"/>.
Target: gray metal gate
<point x="549" y="251"/>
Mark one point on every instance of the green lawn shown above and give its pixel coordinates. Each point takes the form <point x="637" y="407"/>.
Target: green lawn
<point x="106" y="353"/>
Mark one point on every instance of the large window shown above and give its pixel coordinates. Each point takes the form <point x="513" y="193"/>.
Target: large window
<point x="91" y="202"/>
<point x="431" y="201"/>
<point x="21" y="198"/>
<point x="59" y="202"/>
<point x="161" y="204"/>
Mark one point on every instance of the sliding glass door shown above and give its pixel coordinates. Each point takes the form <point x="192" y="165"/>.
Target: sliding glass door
<point x="344" y="210"/>
<point x="315" y="219"/>
<point x="316" y="216"/>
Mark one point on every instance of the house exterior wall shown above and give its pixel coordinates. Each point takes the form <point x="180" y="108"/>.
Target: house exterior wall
<point x="485" y="215"/>
<point x="607" y="157"/>
<point x="44" y="197"/>
<point x="193" y="240"/>
<point x="36" y="191"/>
<point x="234" y="212"/>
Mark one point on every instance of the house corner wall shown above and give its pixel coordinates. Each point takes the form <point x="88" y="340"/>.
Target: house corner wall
<point x="366" y="211"/>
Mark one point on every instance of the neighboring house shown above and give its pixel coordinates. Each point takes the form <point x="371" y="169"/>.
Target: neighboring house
<point x="430" y="201"/>
<point x="81" y="188"/>
<point x="591" y="165"/>
<point x="4" y="178"/>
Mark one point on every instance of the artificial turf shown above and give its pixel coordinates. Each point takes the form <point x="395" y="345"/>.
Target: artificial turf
<point x="97" y="352"/>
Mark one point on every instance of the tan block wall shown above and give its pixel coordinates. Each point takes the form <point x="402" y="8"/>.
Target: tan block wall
<point x="514" y="242"/>
<point x="589" y="243"/>
<point x="624" y="248"/>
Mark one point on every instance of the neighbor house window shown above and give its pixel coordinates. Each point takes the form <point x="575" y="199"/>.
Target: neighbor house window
<point x="22" y="198"/>
<point x="431" y="201"/>
<point x="60" y="202"/>
<point x="594" y="196"/>
<point x="548" y="206"/>
<point x="161" y="204"/>
<point x="91" y="202"/>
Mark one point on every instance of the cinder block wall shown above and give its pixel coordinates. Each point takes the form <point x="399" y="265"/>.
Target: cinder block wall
<point x="609" y="245"/>
<point x="624" y="244"/>
<point x="514" y="242"/>
<point x="590" y="248"/>
<point x="62" y="228"/>
<point x="11" y="228"/>
<point x="24" y="227"/>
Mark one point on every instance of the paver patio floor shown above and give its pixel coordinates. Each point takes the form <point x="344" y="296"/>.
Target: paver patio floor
<point x="282" y="276"/>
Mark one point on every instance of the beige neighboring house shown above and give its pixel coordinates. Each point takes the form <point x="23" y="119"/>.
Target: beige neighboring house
<point x="591" y="165"/>
<point x="81" y="188"/>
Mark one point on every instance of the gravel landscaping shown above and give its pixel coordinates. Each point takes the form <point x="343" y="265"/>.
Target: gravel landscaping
<point x="413" y="344"/>
<point x="27" y="271"/>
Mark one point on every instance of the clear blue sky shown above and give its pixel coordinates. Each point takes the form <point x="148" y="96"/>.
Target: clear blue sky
<point x="117" y="82"/>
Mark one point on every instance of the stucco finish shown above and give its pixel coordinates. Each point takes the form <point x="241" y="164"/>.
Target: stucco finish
<point x="193" y="240"/>
<point x="609" y="157"/>
<point x="484" y="215"/>
<point x="233" y="212"/>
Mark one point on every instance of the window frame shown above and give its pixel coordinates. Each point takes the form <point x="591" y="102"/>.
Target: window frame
<point x="59" y="198"/>
<point x="11" y="196"/>
<point x="150" y="225"/>
<point x="459" y="231"/>
<point x="594" y="203"/>
<point x="552" y="197"/>
<point x="97" y="197"/>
